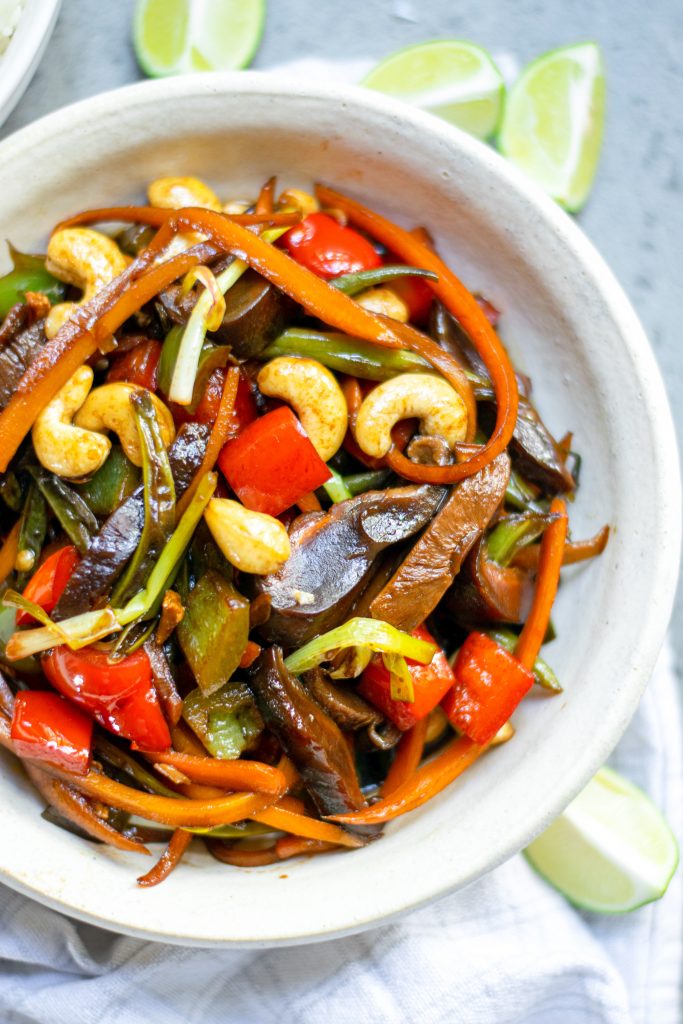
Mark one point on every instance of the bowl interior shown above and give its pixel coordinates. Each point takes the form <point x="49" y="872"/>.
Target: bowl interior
<point x="566" y="324"/>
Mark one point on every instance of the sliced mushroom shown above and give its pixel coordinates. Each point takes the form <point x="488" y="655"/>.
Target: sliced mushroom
<point x="332" y="555"/>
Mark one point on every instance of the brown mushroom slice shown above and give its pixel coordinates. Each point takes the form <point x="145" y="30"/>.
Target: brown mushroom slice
<point x="332" y="556"/>
<point x="486" y="592"/>
<point x="431" y="565"/>
<point x="308" y="734"/>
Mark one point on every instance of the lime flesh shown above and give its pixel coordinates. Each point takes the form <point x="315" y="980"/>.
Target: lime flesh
<point x="611" y="851"/>
<point x="553" y="122"/>
<point x="175" y="36"/>
<point x="451" y="78"/>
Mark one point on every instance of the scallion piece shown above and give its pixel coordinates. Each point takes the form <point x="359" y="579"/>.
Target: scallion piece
<point x="359" y="632"/>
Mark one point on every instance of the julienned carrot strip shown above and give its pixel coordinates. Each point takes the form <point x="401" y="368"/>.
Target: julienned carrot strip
<point x="155" y="216"/>
<point x="77" y="809"/>
<point x="8" y="552"/>
<point x="309" y="502"/>
<point x="238" y="857"/>
<point x="549" y="565"/>
<point x="296" y="846"/>
<point x="462" y="304"/>
<point x="408" y="756"/>
<point x="427" y="781"/>
<point x="218" y="437"/>
<point x="302" y="825"/>
<point x="196" y="791"/>
<point x="239" y="775"/>
<point x="338" y="310"/>
<point x="169" y="860"/>
<point x="166" y="809"/>
<point x="574" y="551"/>
<point x="266" y="199"/>
<point x="80" y="338"/>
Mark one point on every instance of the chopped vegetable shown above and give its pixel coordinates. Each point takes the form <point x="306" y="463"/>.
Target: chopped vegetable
<point x="322" y="245"/>
<point x="228" y="722"/>
<point x="73" y="513"/>
<point x="48" y="582"/>
<point x="109" y="487"/>
<point x="378" y="636"/>
<point x="489" y="685"/>
<point x="357" y="282"/>
<point x="139" y="366"/>
<point x="46" y="727"/>
<point x="214" y="631"/>
<point x="272" y="463"/>
<point x="32" y="530"/>
<point x="120" y="694"/>
<point x="346" y="355"/>
<point x="28" y="274"/>
<point x="430" y="681"/>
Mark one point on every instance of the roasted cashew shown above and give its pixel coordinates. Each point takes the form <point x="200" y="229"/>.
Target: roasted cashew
<point x="251" y="541"/>
<point x="302" y="201"/>
<point x="85" y="258"/>
<point x="175" y="193"/>
<point x="61" y="447"/>
<point x="317" y="399"/>
<point x="384" y="300"/>
<point x="436" y="404"/>
<point x="108" y="408"/>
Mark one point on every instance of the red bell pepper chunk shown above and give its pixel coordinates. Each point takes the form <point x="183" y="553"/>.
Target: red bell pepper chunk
<point x="417" y="295"/>
<point x="324" y="246"/>
<point x="46" y="727"/>
<point x="430" y="683"/>
<point x="272" y="463"/>
<point x="49" y="580"/>
<point x="243" y="413"/>
<point x="490" y="683"/>
<point x="138" y="366"/>
<point x="120" y="694"/>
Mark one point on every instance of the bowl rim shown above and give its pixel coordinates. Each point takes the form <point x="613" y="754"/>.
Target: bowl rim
<point x="26" y="47"/>
<point x="608" y="731"/>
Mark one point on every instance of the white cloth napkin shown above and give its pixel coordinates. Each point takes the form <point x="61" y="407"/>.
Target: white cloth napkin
<point x="507" y="950"/>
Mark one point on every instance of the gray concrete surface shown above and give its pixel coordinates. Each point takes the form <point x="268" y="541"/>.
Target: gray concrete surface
<point x="635" y="215"/>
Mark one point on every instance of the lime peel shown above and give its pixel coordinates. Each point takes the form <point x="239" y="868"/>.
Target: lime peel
<point x="452" y="78"/>
<point x="611" y="851"/>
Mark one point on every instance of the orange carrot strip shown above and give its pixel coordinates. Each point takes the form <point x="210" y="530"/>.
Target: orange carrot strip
<point x="155" y="217"/>
<point x="408" y="756"/>
<point x="217" y="438"/>
<point x="296" y="846"/>
<point x="229" y="853"/>
<point x="574" y="551"/>
<point x="238" y="775"/>
<point x="166" y="809"/>
<point x="196" y="791"/>
<point x="266" y="199"/>
<point x="549" y="565"/>
<point x="427" y="781"/>
<point x="169" y="860"/>
<point x="302" y="825"/>
<point x="462" y="304"/>
<point x="8" y="552"/>
<point x="77" y="809"/>
<point x="250" y="655"/>
<point x="309" y="503"/>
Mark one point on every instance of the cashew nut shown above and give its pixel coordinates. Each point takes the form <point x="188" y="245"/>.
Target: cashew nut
<point x="317" y="399"/>
<point x="302" y="201"/>
<point x="252" y="541"/>
<point x="175" y="193"/>
<point x="85" y="258"/>
<point x="386" y="301"/>
<point x="108" y="408"/>
<point x="437" y="405"/>
<point x="61" y="447"/>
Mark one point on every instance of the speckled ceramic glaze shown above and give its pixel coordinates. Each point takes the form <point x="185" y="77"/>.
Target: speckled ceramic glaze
<point x="566" y="323"/>
<point x="27" y="45"/>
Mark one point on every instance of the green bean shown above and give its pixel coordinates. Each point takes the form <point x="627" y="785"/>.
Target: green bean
<point x="72" y="513"/>
<point x="543" y="674"/>
<point x="351" y="284"/>
<point x="32" y="530"/>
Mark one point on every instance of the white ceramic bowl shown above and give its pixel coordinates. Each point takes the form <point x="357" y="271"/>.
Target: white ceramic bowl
<point x="566" y="322"/>
<point x="21" y="58"/>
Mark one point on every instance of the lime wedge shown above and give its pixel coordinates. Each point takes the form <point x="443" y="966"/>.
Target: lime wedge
<point x="611" y="851"/>
<point x="552" y="126"/>
<point x="175" y="36"/>
<point x="451" y="78"/>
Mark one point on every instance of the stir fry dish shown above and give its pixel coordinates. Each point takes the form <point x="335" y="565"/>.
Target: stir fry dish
<point x="282" y="526"/>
